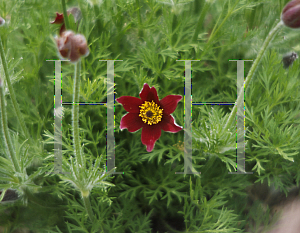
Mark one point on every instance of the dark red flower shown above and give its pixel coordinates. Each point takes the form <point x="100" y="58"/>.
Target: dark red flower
<point x="72" y="46"/>
<point x="59" y="19"/>
<point x="291" y="14"/>
<point x="150" y="114"/>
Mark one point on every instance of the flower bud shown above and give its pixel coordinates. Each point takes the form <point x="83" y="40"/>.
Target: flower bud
<point x="72" y="46"/>
<point x="291" y="14"/>
<point x="288" y="59"/>
<point x="2" y="21"/>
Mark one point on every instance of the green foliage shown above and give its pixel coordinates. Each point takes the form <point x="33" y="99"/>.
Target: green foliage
<point x="202" y="215"/>
<point x="150" y="36"/>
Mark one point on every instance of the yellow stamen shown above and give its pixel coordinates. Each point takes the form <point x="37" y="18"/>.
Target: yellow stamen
<point x="150" y="113"/>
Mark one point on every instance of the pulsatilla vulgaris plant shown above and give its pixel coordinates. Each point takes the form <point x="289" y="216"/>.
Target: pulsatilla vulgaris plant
<point x="83" y="175"/>
<point x="148" y="40"/>
<point x="18" y="149"/>
<point x="150" y="114"/>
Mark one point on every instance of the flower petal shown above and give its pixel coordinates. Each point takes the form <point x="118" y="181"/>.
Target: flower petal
<point x="132" y="122"/>
<point x="149" y="94"/>
<point x="79" y="47"/>
<point x="58" y="19"/>
<point x="130" y="104"/>
<point x="152" y="95"/>
<point x="169" y="103"/>
<point x="168" y="124"/>
<point x="150" y="134"/>
<point x="74" y="55"/>
<point x="64" y="45"/>
<point x="144" y="92"/>
<point x="81" y="44"/>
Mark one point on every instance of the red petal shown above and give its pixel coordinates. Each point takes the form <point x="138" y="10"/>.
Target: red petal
<point x="81" y="44"/>
<point x="132" y="122"/>
<point x="64" y="53"/>
<point x="58" y="19"/>
<point x="63" y="46"/>
<point x="169" y="103"/>
<point x="149" y="94"/>
<point x="74" y="55"/>
<point x="168" y="124"/>
<point x="144" y="92"/>
<point x="152" y="95"/>
<point x="130" y="104"/>
<point x="150" y="134"/>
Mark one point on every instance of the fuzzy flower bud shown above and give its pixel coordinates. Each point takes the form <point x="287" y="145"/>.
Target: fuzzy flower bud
<point x="288" y="59"/>
<point x="72" y="46"/>
<point x="2" y="21"/>
<point x="291" y="14"/>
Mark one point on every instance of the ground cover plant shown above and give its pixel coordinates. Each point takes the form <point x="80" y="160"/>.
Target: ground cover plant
<point x="144" y="192"/>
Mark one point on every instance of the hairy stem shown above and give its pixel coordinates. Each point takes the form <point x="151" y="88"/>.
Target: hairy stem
<point x="76" y="139"/>
<point x="75" y="114"/>
<point x="201" y="20"/>
<point x="12" y="93"/>
<point x="140" y="31"/>
<point x="253" y="68"/>
<point x="66" y="19"/>
<point x="5" y="131"/>
<point x="88" y="207"/>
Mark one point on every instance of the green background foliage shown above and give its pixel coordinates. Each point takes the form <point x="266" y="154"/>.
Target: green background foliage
<point x="149" y="36"/>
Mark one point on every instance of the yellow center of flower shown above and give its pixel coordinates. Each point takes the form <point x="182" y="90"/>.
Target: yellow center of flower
<point x="150" y="113"/>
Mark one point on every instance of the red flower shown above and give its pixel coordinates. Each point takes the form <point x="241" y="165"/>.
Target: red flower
<point x="59" y="19"/>
<point x="150" y="114"/>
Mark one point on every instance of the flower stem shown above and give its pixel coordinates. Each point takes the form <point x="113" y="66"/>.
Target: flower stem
<point x="66" y="19"/>
<point x="201" y="20"/>
<point x="98" y="23"/>
<point x="88" y="207"/>
<point x="75" y="113"/>
<point x="12" y="93"/>
<point x="252" y="71"/>
<point x="140" y="31"/>
<point x="5" y="131"/>
<point x="76" y="139"/>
